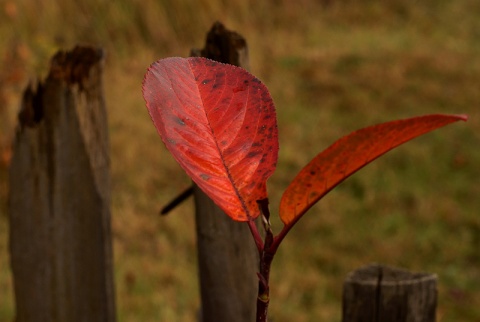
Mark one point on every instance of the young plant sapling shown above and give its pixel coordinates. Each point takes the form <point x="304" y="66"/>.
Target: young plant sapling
<point x="219" y="123"/>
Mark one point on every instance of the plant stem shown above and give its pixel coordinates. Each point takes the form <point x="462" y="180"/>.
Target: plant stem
<point x="256" y="236"/>
<point x="263" y="298"/>
<point x="266" y="258"/>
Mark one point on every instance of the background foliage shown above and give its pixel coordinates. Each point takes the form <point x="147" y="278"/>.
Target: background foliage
<point x="332" y="67"/>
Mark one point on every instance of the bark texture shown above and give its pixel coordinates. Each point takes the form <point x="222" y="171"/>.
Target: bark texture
<point x="59" y="199"/>
<point x="377" y="293"/>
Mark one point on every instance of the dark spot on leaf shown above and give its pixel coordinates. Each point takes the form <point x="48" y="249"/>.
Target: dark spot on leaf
<point x="179" y="121"/>
<point x="251" y="185"/>
<point x="223" y="143"/>
<point x="312" y="173"/>
<point x="206" y="81"/>
<point x="210" y="63"/>
<point x="252" y="154"/>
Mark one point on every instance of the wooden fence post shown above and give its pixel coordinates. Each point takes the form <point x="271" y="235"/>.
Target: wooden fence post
<point x="227" y="256"/>
<point x="377" y="293"/>
<point x="59" y="198"/>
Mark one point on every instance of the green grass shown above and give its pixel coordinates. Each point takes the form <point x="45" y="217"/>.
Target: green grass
<point x="331" y="69"/>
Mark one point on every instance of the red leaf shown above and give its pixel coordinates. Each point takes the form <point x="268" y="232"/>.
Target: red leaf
<point x="348" y="155"/>
<point x="219" y="123"/>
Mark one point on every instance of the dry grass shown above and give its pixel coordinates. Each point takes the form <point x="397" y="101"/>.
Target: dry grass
<point x="331" y="67"/>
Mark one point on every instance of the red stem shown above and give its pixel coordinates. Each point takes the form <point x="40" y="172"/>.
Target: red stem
<point x="263" y="299"/>
<point x="266" y="258"/>
<point x="281" y="235"/>
<point x="267" y="251"/>
<point x="256" y="236"/>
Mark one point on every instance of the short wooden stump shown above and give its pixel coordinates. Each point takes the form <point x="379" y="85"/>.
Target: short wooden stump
<point x="377" y="293"/>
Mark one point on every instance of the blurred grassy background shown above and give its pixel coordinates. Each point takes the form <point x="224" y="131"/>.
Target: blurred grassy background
<point x="332" y="67"/>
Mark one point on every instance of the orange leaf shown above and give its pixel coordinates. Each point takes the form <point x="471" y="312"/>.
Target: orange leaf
<point x="348" y="155"/>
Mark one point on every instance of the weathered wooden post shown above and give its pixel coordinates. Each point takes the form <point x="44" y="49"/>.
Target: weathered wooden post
<point x="59" y="199"/>
<point x="227" y="256"/>
<point x="377" y="293"/>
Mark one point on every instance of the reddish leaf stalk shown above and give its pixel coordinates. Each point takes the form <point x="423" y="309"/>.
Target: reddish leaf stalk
<point x="256" y="236"/>
<point x="278" y="239"/>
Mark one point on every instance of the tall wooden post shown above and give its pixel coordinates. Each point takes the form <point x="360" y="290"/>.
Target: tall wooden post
<point x="59" y="199"/>
<point x="377" y="293"/>
<point x="227" y="255"/>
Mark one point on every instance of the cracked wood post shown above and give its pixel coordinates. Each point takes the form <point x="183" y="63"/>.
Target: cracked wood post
<point x="377" y="293"/>
<point x="227" y="256"/>
<point x="59" y="199"/>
